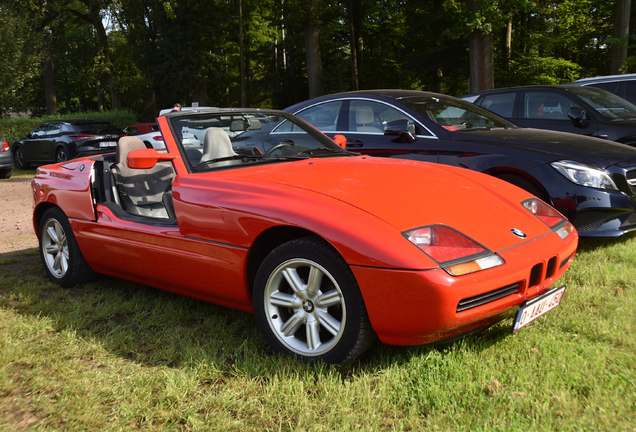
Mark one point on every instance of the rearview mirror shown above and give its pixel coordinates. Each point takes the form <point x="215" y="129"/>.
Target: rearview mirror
<point x="146" y="158"/>
<point x="341" y="140"/>
<point x="576" y="114"/>
<point x="399" y="128"/>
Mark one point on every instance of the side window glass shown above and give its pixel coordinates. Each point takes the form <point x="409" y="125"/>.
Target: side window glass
<point x="501" y="104"/>
<point x="546" y="106"/>
<point x="369" y="116"/>
<point x="323" y="117"/>
<point x="132" y="131"/>
<point x="630" y="91"/>
<point x="54" y="129"/>
<point x="40" y="131"/>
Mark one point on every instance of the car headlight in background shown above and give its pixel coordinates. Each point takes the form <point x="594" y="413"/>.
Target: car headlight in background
<point x="549" y="216"/>
<point x="584" y="175"/>
<point x="452" y="250"/>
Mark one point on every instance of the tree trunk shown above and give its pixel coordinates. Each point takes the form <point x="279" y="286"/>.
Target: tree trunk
<point x="49" y="81"/>
<point x="355" y="84"/>
<point x="241" y="54"/>
<point x="480" y="57"/>
<point x="508" y="46"/>
<point x="312" y="51"/>
<point x="621" y="31"/>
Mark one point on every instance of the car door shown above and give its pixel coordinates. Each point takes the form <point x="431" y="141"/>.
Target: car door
<point x="364" y="121"/>
<point x="32" y="144"/>
<point x="544" y="109"/>
<point x="48" y="144"/>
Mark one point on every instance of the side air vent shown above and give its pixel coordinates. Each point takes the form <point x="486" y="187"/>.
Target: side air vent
<point x="491" y="296"/>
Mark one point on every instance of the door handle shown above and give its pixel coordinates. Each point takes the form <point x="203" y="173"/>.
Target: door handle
<point x="354" y="143"/>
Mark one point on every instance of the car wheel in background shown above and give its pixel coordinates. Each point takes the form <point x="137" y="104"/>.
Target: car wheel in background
<point x="18" y="158"/>
<point x="61" y="155"/>
<point x="60" y="253"/>
<point x="5" y="173"/>
<point x="308" y="304"/>
<point x="524" y="183"/>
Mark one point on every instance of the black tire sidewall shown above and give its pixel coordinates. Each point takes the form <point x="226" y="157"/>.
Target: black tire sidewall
<point x="21" y="163"/>
<point x="320" y="252"/>
<point x="78" y="270"/>
<point x="59" y="151"/>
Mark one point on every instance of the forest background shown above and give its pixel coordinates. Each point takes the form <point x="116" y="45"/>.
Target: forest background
<point x="62" y="56"/>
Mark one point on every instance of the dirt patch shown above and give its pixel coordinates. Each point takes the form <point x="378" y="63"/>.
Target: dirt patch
<point x="16" y="210"/>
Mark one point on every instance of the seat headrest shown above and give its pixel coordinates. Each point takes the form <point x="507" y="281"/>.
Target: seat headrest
<point x="125" y="145"/>
<point x="364" y="114"/>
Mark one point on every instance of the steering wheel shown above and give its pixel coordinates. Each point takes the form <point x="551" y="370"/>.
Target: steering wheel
<point x="277" y="146"/>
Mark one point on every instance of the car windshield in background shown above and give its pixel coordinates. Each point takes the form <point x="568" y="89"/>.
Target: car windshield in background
<point x="455" y="115"/>
<point x="608" y="104"/>
<point x="236" y="138"/>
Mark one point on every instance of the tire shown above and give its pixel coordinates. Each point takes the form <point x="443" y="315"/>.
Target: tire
<point x="60" y="253"/>
<point x="524" y="184"/>
<point x="6" y="173"/>
<point x="323" y="317"/>
<point x="61" y="155"/>
<point x="18" y="158"/>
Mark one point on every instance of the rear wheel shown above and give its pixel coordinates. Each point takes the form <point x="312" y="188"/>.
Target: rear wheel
<point x="60" y="253"/>
<point x="308" y="304"/>
<point x="524" y="183"/>
<point x="61" y="155"/>
<point x="18" y="158"/>
<point x="5" y="173"/>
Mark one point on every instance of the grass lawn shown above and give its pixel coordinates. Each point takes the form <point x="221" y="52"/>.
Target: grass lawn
<point x="114" y="355"/>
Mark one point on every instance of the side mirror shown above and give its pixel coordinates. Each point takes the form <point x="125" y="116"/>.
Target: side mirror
<point x="146" y="158"/>
<point x="576" y="114"/>
<point x="399" y="128"/>
<point x="341" y="140"/>
<point x="29" y="135"/>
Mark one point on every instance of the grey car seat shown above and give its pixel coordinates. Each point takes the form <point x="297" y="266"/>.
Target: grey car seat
<point x="142" y="191"/>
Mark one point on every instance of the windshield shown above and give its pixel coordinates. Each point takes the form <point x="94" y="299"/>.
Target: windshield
<point x="608" y="104"/>
<point x="454" y="114"/>
<point x="234" y="138"/>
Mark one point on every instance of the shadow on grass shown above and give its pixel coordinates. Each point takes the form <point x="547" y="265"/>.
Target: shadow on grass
<point x="588" y="244"/>
<point x="155" y="327"/>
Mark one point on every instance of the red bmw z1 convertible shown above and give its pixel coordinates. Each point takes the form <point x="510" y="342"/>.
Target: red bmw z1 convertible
<point x="329" y="249"/>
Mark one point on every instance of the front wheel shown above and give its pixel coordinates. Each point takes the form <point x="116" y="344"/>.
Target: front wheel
<point x="61" y="155"/>
<point x="308" y="304"/>
<point x="60" y="253"/>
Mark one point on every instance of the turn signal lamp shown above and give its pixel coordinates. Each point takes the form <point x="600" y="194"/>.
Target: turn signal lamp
<point x="452" y="250"/>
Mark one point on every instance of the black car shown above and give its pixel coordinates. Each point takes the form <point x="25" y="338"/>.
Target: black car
<point x="61" y="140"/>
<point x="6" y="160"/>
<point x="566" y="108"/>
<point x="590" y="180"/>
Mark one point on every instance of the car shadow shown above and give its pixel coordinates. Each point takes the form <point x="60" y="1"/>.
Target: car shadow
<point x="157" y="328"/>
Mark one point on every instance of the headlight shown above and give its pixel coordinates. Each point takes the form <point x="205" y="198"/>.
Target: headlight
<point x="548" y="216"/>
<point x="584" y="175"/>
<point x="452" y="250"/>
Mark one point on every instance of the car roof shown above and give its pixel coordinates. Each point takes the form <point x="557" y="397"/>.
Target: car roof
<point x="604" y="79"/>
<point x="563" y="87"/>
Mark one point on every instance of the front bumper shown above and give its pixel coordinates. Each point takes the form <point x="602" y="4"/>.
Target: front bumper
<point x="409" y="307"/>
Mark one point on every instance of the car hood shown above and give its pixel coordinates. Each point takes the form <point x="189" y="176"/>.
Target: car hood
<point x="548" y="146"/>
<point x="409" y="194"/>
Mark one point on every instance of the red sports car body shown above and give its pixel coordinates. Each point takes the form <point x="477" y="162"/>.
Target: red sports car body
<point x="327" y="248"/>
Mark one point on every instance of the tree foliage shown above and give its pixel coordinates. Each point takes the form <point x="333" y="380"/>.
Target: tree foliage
<point x="145" y="55"/>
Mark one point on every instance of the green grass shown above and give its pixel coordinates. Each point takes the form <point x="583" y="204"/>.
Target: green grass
<point x="113" y="355"/>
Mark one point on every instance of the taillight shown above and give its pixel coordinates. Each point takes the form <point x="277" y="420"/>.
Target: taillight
<point x="157" y="138"/>
<point x="452" y="250"/>
<point x="79" y="137"/>
<point x="122" y="134"/>
<point x="5" y="146"/>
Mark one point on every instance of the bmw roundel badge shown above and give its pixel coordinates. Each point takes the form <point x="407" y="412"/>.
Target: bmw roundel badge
<point x="518" y="233"/>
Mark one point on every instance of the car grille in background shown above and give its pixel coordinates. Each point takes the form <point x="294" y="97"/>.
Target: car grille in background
<point x="590" y="220"/>
<point x="482" y="299"/>
<point x="631" y="179"/>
